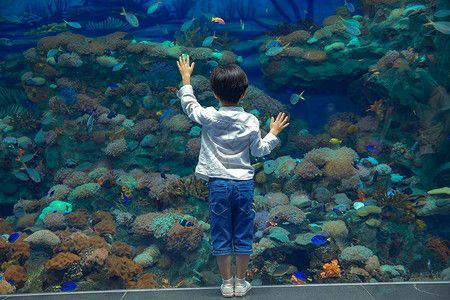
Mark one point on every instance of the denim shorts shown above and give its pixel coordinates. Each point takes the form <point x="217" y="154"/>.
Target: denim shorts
<point x="231" y="215"/>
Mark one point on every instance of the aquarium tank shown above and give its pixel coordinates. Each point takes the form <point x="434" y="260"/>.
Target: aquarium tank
<point x="97" y="157"/>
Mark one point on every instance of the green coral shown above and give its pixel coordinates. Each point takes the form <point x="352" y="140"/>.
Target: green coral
<point x="127" y="181"/>
<point x="97" y="172"/>
<point x="163" y="222"/>
<point x="83" y="191"/>
<point x="56" y="205"/>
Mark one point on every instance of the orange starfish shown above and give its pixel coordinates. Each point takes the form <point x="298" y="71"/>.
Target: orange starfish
<point x="377" y="108"/>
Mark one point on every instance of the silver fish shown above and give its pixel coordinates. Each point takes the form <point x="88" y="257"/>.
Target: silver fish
<point x="90" y="123"/>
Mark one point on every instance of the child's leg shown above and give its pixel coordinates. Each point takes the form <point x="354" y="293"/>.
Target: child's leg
<point x="243" y="218"/>
<point x="224" y="263"/>
<point x="221" y="227"/>
<point x="241" y="265"/>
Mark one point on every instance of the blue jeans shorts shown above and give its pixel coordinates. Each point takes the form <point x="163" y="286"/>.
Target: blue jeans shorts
<point x="231" y="215"/>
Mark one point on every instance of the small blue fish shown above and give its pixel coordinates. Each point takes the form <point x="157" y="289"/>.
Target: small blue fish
<point x="165" y="114"/>
<point x="73" y="24"/>
<point x="337" y="211"/>
<point x="319" y="240"/>
<point x="11" y="281"/>
<point x="67" y="286"/>
<point x="90" y="123"/>
<point x="113" y="86"/>
<point x="125" y="199"/>
<point x="118" y="67"/>
<point x="301" y="275"/>
<point x="13" y="237"/>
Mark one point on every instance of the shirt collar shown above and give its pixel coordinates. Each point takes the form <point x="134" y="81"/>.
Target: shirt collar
<point x="232" y="108"/>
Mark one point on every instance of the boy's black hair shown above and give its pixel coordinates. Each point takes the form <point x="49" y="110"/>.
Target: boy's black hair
<point x="229" y="83"/>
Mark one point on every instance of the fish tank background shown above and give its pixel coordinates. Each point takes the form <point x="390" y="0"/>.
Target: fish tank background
<point x="97" y="158"/>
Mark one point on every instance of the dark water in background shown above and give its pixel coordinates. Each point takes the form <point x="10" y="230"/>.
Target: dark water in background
<point x="377" y="133"/>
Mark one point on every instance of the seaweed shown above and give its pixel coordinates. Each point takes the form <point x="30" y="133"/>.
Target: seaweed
<point x="9" y="96"/>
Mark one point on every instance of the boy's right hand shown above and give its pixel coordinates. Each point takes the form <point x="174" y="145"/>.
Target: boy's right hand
<point x="185" y="68"/>
<point x="277" y="125"/>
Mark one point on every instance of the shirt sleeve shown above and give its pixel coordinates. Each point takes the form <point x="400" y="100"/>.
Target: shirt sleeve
<point x="191" y="107"/>
<point x="262" y="146"/>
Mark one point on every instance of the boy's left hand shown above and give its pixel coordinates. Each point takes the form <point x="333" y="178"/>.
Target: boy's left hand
<point x="185" y="68"/>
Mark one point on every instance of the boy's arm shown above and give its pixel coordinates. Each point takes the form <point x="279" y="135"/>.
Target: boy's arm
<point x="261" y="147"/>
<point x="191" y="107"/>
<point x="189" y="103"/>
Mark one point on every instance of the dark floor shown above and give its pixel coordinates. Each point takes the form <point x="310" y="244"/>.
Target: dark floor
<point x="395" y="291"/>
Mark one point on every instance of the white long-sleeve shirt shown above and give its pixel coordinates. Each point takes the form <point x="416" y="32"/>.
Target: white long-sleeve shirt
<point x="229" y="136"/>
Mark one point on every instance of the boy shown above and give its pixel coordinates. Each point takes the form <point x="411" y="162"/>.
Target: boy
<point x="229" y="136"/>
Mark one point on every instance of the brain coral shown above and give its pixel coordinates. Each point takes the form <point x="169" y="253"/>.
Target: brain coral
<point x="356" y="254"/>
<point x="276" y="198"/>
<point x="83" y="191"/>
<point x="116" y="148"/>
<point x="289" y="213"/>
<point x="336" y="229"/>
<point x="307" y="170"/>
<point x="43" y="238"/>
<point x="148" y="257"/>
<point x="177" y="123"/>
<point x="142" y="128"/>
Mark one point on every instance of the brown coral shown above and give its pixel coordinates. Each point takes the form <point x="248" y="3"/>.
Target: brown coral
<point x="146" y="281"/>
<point x="62" y="261"/>
<point x="20" y="250"/>
<point x="299" y="36"/>
<point x="122" y="268"/>
<point x="122" y="249"/>
<point x="440" y="247"/>
<point x="6" y="227"/>
<point x="27" y="220"/>
<point x="179" y="238"/>
<point x="314" y="56"/>
<point x="16" y="273"/>
<point x="78" y="242"/>
<point x="105" y="227"/>
<point x="78" y="219"/>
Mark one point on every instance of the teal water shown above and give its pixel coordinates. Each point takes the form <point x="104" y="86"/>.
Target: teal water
<point x="97" y="157"/>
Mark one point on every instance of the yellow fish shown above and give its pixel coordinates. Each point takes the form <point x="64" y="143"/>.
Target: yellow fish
<point x="159" y="113"/>
<point x="335" y="141"/>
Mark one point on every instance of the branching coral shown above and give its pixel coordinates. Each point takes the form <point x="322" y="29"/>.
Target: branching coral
<point x="331" y="270"/>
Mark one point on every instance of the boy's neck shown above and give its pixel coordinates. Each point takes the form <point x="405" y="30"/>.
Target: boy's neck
<point x="227" y="104"/>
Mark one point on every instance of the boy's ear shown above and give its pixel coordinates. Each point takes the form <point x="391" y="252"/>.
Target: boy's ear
<point x="243" y="95"/>
<point x="215" y="96"/>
